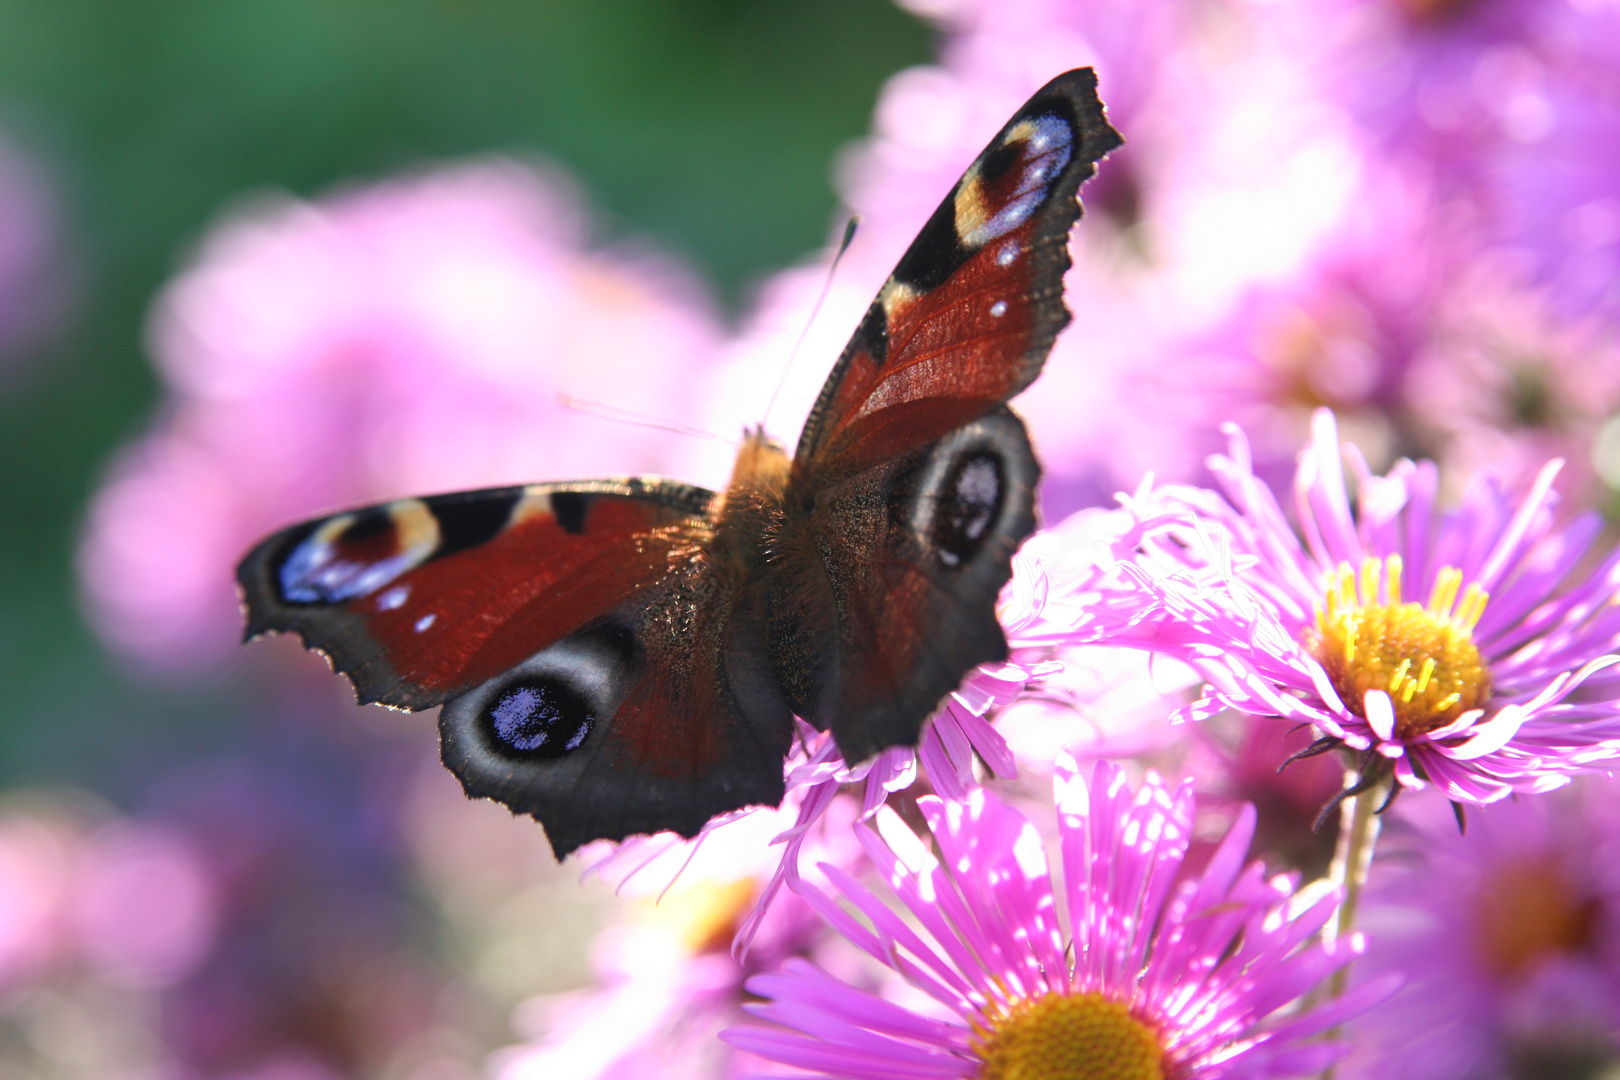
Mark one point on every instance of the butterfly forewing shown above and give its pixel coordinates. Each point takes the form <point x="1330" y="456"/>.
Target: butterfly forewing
<point x="969" y="314"/>
<point x="419" y="600"/>
<point x="913" y="484"/>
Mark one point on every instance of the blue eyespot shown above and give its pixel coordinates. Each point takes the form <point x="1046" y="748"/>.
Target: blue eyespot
<point x="1044" y="152"/>
<point x="540" y="718"/>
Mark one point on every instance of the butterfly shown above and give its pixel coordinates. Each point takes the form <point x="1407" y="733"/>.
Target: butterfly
<point x="616" y="657"/>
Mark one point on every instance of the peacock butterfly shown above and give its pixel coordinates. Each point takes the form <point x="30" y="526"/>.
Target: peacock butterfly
<point x="625" y="656"/>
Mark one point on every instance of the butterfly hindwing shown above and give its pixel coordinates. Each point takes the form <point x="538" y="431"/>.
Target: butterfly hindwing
<point x="911" y="555"/>
<point x="972" y="308"/>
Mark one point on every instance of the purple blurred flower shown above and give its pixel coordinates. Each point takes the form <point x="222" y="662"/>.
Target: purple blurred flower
<point x="1342" y="332"/>
<point x="1507" y="381"/>
<point x="1238" y="760"/>
<point x="404" y="338"/>
<point x="317" y="967"/>
<point x="1492" y="685"/>
<point x="1152" y="975"/>
<point x="1511" y="106"/>
<point x="668" y="978"/>
<point x="101" y="918"/>
<point x="1516" y="926"/>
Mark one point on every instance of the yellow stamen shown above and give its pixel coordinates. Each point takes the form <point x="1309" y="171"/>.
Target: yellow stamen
<point x="1369" y="581"/>
<point x="1423" y="656"/>
<point x="1445" y="591"/>
<point x="1473" y="606"/>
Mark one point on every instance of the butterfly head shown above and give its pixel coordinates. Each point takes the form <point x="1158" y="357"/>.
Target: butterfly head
<point x="762" y="468"/>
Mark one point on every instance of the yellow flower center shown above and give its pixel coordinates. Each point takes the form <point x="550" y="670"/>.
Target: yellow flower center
<point x="703" y="914"/>
<point x="1423" y="656"/>
<point x="1070" y="1037"/>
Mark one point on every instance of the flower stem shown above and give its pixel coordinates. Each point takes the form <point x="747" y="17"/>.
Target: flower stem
<point x="1352" y="858"/>
<point x="1358" y="835"/>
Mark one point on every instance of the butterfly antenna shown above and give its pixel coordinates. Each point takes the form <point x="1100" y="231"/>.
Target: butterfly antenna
<point x="826" y="287"/>
<point x="625" y="416"/>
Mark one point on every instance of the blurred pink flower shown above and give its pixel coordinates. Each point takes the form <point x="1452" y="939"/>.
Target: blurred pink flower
<point x="36" y="867"/>
<point x="1420" y="336"/>
<point x="1510" y="105"/>
<point x="1246" y="761"/>
<point x="146" y="908"/>
<point x="404" y="338"/>
<point x="669" y="980"/>
<point x="1342" y="332"/>
<point x="130" y="901"/>
<point x="286" y="1067"/>
<point x="1516" y="927"/>
<point x="1507" y="381"/>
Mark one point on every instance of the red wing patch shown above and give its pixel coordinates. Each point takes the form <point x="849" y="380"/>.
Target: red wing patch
<point x="969" y="314"/>
<point x="421" y="599"/>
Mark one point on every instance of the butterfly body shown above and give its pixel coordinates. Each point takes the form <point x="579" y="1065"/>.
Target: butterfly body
<point x="618" y="657"/>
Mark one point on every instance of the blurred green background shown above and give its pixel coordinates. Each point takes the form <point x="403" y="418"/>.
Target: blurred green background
<point x="708" y="126"/>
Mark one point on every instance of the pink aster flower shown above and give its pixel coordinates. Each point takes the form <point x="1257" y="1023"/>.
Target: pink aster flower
<point x="1151" y="972"/>
<point x="1515" y="924"/>
<point x="1461" y="648"/>
<point x="403" y="338"/>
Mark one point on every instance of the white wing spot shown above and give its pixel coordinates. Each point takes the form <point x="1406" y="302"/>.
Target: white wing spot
<point x="393" y="598"/>
<point x="1007" y="255"/>
<point x="424" y="622"/>
<point x="999" y="308"/>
